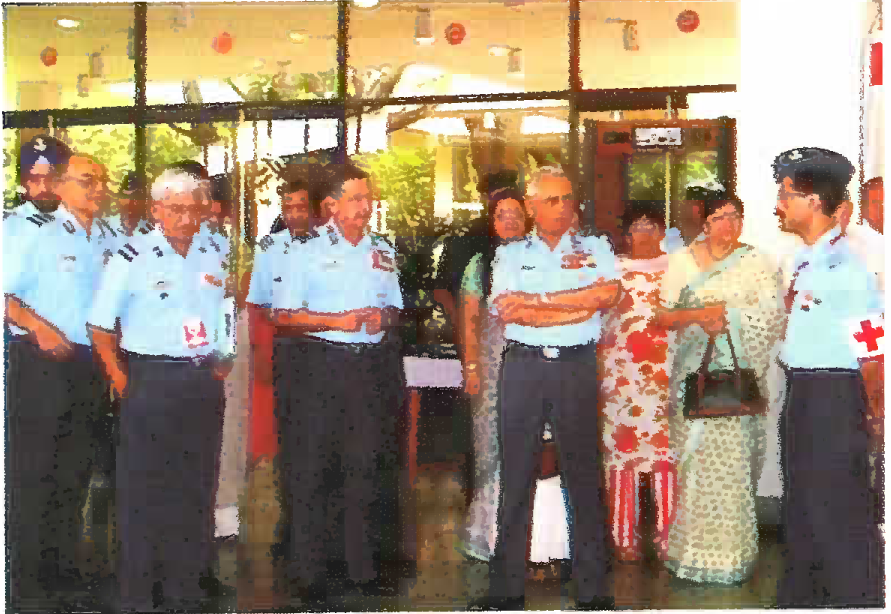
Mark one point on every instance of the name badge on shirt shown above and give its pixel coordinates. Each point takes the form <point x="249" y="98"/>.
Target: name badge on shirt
<point x="382" y="261"/>
<point x="578" y="261"/>
<point x="194" y="333"/>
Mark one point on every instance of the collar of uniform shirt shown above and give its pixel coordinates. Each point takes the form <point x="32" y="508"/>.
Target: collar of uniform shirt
<point x="333" y="232"/>
<point x="824" y="247"/>
<point x="68" y="219"/>
<point x="566" y="243"/>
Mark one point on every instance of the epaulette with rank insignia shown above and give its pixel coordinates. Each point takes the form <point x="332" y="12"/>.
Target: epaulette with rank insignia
<point x="40" y="219"/>
<point x="126" y="255"/>
<point x="69" y="227"/>
<point x="146" y="228"/>
<point x="105" y="226"/>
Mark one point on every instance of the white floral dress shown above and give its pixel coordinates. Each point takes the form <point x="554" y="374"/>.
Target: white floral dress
<point x="634" y="394"/>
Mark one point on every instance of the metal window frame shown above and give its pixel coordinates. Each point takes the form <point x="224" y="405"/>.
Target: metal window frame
<point x="339" y="107"/>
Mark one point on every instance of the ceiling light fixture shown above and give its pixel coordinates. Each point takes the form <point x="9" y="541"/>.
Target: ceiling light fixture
<point x="500" y="51"/>
<point x="366" y="4"/>
<point x="68" y="24"/>
<point x="298" y="37"/>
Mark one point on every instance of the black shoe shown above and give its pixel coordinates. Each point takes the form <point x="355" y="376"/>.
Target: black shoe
<point x="597" y="603"/>
<point x="491" y="604"/>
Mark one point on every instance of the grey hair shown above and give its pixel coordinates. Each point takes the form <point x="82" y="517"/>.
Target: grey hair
<point x="175" y="180"/>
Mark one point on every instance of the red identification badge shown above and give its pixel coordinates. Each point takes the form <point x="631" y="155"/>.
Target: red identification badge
<point x="194" y="333"/>
<point x="577" y="261"/>
<point x="382" y="261"/>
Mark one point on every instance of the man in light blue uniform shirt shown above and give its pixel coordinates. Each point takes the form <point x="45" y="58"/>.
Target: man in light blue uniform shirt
<point x="57" y="398"/>
<point x="338" y="390"/>
<point x="549" y="291"/>
<point x="163" y="327"/>
<point x="833" y="551"/>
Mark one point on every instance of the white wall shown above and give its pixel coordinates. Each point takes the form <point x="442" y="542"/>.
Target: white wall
<point x="800" y="87"/>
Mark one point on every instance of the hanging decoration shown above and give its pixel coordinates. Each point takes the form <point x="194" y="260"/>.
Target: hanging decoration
<point x="455" y="33"/>
<point x="49" y="56"/>
<point x="83" y="85"/>
<point x="97" y="66"/>
<point x="688" y="21"/>
<point x="513" y="62"/>
<point x="629" y="33"/>
<point x="424" y="28"/>
<point x="222" y="43"/>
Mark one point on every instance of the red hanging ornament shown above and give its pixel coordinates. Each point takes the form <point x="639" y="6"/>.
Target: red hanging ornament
<point x="455" y="33"/>
<point x="49" y="56"/>
<point x="688" y="21"/>
<point x="222" y="43"/>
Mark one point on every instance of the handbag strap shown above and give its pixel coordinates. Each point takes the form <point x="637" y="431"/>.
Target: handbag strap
<point x="706" y="360"/>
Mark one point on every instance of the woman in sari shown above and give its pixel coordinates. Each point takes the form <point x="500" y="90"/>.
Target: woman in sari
<point x="482" y="344"/>
<point x="719" y="287"/>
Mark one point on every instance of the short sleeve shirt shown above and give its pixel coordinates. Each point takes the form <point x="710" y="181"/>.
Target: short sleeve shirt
<point x="836" y="310"/>
<point x="531" y="266"/>
<point x="169" y="305"/>
<point x="53" y="267"/>
<point x="326" y="274"/>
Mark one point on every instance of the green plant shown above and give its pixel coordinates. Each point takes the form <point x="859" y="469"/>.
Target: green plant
<point x="404" y="177"/>
<point x="281" y="86"/>
<point x="112" y="146"/>
<point x="166" y="146"/>
<point x="10" y="168"/>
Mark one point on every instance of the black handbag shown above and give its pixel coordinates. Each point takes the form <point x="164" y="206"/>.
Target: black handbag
<point x="723" y="393"/>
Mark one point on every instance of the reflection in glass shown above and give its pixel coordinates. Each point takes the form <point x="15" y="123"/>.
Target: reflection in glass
<point x="227" y="52"/>
<point x="68" y="56"/>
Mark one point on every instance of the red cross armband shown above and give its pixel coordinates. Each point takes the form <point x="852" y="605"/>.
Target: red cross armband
<point x="866" y="336"/>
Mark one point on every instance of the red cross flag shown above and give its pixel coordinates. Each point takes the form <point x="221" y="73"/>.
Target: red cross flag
<point x="866" y="336"/>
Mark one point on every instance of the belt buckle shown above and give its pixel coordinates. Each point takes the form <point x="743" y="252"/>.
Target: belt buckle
<point x="550" y="353"/>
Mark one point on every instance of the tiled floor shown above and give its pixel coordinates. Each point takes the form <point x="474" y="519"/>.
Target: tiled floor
<point x="445" y="580"/>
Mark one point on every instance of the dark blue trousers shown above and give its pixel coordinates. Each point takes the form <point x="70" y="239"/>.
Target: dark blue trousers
<point x="833" y="555"/>
<point x="337" y="407"/>
<point x="167" y="467"/>
<point x="563" y="390"/>
<point x="52" y="408"/>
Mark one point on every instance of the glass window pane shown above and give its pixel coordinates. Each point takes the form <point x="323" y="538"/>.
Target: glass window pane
<point x="228" y="52"/>
<point x="519" y="48"/>
<point x="71" y="56"/>
<point x="641" y="44"/>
